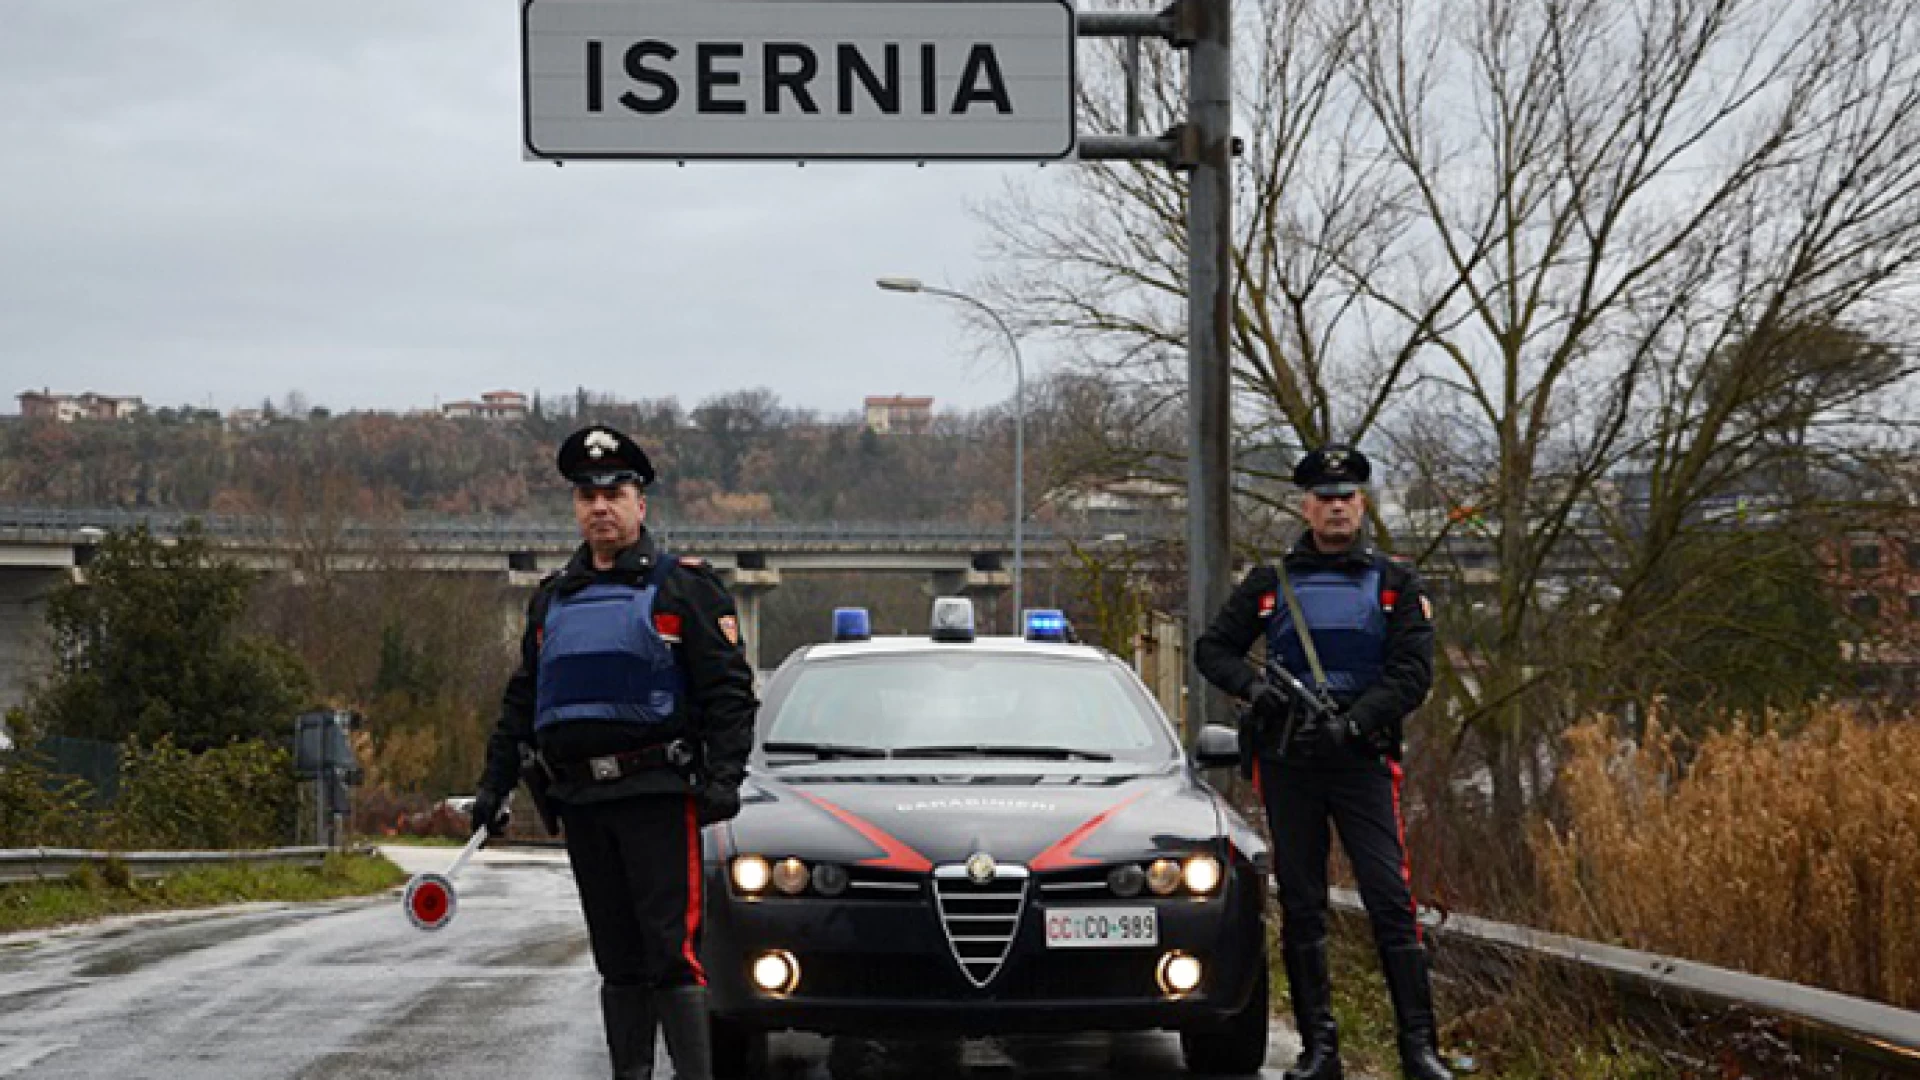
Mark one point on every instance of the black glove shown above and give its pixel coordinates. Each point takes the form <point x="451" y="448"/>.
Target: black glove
<point x="1268" y="702"/>
<point x="716" y="802"/>
<point x="489" y="811"/>
<point x="1374" y="738"/>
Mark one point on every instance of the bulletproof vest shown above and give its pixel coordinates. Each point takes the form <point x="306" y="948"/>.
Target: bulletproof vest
<point x="602" y="659"/>
<point x="1349" y="627"/>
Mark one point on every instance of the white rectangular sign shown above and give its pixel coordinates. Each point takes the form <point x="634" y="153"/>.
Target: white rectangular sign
<point x="914" y="80"/>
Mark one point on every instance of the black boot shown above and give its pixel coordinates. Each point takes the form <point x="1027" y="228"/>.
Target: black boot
<point x="1412" y="990"/>
<point x="1311" y="987"/>
<point x="683" y="1017"/>
<point x="629" y="1015"/>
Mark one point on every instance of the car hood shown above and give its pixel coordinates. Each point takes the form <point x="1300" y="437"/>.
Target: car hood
<point x="914" y="815"/>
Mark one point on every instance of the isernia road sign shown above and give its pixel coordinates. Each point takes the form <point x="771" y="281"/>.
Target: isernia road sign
<point x="917" y="80"/>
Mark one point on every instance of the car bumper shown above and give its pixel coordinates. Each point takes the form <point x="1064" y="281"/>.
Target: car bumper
<point x="878" y="966"/>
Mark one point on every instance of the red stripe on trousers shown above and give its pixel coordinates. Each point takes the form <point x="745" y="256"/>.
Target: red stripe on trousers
<point x="694" y="905"/>
<point x="1406" y="868"/>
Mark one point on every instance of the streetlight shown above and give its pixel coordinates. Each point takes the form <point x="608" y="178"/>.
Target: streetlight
<point x="915" y="285"/>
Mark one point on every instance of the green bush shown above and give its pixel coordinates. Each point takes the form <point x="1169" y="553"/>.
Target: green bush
<point x="40" y="809"/>
<point x="240" y="796"/>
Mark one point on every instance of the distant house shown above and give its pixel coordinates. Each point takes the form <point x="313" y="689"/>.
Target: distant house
<point x="245" y="419"/>
<point x="493" y="405"/>
<point x="67" y="408"/>
<point x="1136" y="497"/>
<point x="900" y="415"/>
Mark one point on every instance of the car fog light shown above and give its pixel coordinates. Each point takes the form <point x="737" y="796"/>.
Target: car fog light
<point x="1126" y="880"/>
<point x="1178" y="973"/>
<point x="1203" y="874"/>
<point x="776" y="972"/>
<point x="1163" y="876"/>
<point x="750" y="874"/>
<point x="790" y="876"/>
<point x="829" y="880"/>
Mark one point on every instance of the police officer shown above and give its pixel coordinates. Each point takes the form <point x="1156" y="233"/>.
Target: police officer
<point x="630" y="717"/>
<point x="1365" y="658"/>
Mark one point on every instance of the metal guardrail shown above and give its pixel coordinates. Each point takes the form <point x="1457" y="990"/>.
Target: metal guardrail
<point x="54" y="864"/>
<point x="1858" y="1029"/>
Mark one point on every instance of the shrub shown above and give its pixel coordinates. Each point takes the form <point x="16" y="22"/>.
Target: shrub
<point x="40" y="809"/>
<point x="1785" y="855"/>
<point x="240" y="796"/>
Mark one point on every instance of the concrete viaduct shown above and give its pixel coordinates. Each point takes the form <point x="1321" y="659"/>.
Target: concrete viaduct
<point x="40" y="549"/>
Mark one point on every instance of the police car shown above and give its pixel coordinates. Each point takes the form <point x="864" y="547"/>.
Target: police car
<point x="970" y="835"/>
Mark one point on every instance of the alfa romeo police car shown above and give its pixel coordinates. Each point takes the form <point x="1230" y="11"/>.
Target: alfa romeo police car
<point x="968" y="835"/>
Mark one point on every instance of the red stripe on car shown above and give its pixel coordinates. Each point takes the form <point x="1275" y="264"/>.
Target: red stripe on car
<point x="1061" y="855"/>
<point x="898" y="855"/>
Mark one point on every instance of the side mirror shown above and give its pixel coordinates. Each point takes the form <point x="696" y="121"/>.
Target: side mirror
<point x="1217" y="748"/>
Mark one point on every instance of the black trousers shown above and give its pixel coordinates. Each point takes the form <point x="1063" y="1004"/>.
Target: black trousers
<point x="1362" y="800"/>
<point x="637" y="864"/>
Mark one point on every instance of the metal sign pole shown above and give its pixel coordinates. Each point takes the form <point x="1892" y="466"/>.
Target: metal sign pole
<point x="1204" y="147"/>
<point x="1210" y="324"/>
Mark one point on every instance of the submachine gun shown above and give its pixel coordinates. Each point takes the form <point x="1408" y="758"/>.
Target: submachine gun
<point x="1309" y="714"/>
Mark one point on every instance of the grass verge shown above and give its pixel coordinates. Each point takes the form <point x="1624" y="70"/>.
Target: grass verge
<point x="1514" y="1031"/>
<point x="96" y="892"/>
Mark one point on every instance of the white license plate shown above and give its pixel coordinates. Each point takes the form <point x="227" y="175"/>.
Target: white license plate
<point x="1101" y="927"/>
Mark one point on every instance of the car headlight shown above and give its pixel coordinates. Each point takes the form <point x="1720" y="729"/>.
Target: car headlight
<point x="829" y="879"/>
<point x="1126" y="880"/>
<point x="790" y="876"/>
<point x="751" y="874"/>
<point x="1202" y="874"/>
<point x="1163" y="876"/>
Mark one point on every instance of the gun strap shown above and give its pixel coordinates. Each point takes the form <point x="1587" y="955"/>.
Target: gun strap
<point x="1306" y="634"/>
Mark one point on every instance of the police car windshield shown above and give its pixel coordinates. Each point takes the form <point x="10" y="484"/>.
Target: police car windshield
<point x="964" y="703"/>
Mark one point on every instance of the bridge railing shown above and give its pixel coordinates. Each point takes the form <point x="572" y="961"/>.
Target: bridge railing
<point x="63" y="526"/>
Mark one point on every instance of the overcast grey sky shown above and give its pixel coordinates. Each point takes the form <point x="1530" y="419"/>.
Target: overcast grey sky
<point x="224" y="200"/>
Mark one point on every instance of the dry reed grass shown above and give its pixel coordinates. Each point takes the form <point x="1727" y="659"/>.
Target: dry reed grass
<point x="1790" y="855"/>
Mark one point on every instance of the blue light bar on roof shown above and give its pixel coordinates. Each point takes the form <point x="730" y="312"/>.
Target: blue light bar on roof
<point x="851" y="624"/>
<point x="1045" y="624"/>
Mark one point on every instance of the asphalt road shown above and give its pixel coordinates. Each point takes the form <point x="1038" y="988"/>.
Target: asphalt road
<point x="351" y="990"/>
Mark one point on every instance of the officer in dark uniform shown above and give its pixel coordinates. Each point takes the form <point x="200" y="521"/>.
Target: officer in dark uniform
<point x="1366" y="660"/>
<point x="630" y="718"/>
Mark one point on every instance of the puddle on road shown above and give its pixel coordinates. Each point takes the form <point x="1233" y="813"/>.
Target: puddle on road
<point x="161" y="944"/>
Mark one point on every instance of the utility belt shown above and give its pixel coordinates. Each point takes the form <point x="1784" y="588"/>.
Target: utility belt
<point x="678" y="757"/>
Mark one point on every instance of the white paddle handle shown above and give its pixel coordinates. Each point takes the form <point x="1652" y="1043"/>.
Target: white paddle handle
<point x="479" y="837"/>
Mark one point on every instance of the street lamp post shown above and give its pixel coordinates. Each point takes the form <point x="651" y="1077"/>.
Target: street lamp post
<point x="915" y="285"/>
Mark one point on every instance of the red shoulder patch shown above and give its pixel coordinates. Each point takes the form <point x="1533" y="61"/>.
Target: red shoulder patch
<point x="1267" y="602"/>
<point x="667" y="625"/>
<point x="1388" y="598"/>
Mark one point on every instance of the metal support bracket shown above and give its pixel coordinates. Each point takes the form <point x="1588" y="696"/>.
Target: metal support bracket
<point x="1131" y="24"/>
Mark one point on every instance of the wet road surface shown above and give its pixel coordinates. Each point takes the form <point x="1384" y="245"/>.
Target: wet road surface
<point x="351" y="990"/>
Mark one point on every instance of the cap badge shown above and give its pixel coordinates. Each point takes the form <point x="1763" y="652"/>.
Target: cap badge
<point x="599" y="443"/>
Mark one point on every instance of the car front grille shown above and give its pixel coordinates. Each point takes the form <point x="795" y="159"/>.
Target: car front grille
<point x="980" y="918"/>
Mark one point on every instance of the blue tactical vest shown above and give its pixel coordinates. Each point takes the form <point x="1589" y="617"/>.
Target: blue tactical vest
<point x="601" y="658"/>
<point x="1348" y="624"/>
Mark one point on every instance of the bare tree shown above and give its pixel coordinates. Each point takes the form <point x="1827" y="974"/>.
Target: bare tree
<point x="1526" y="244"/>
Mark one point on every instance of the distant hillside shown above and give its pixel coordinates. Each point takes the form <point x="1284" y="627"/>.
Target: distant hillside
<point x="739" y="457"/>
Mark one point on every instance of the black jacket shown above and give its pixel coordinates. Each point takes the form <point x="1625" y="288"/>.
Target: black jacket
<point x="1406" y="677"/>
<point x="720" y="704"/>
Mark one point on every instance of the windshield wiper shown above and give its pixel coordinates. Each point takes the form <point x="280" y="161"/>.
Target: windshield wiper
<point x="1053" y="753"/>
<point x="824" y="751"/>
